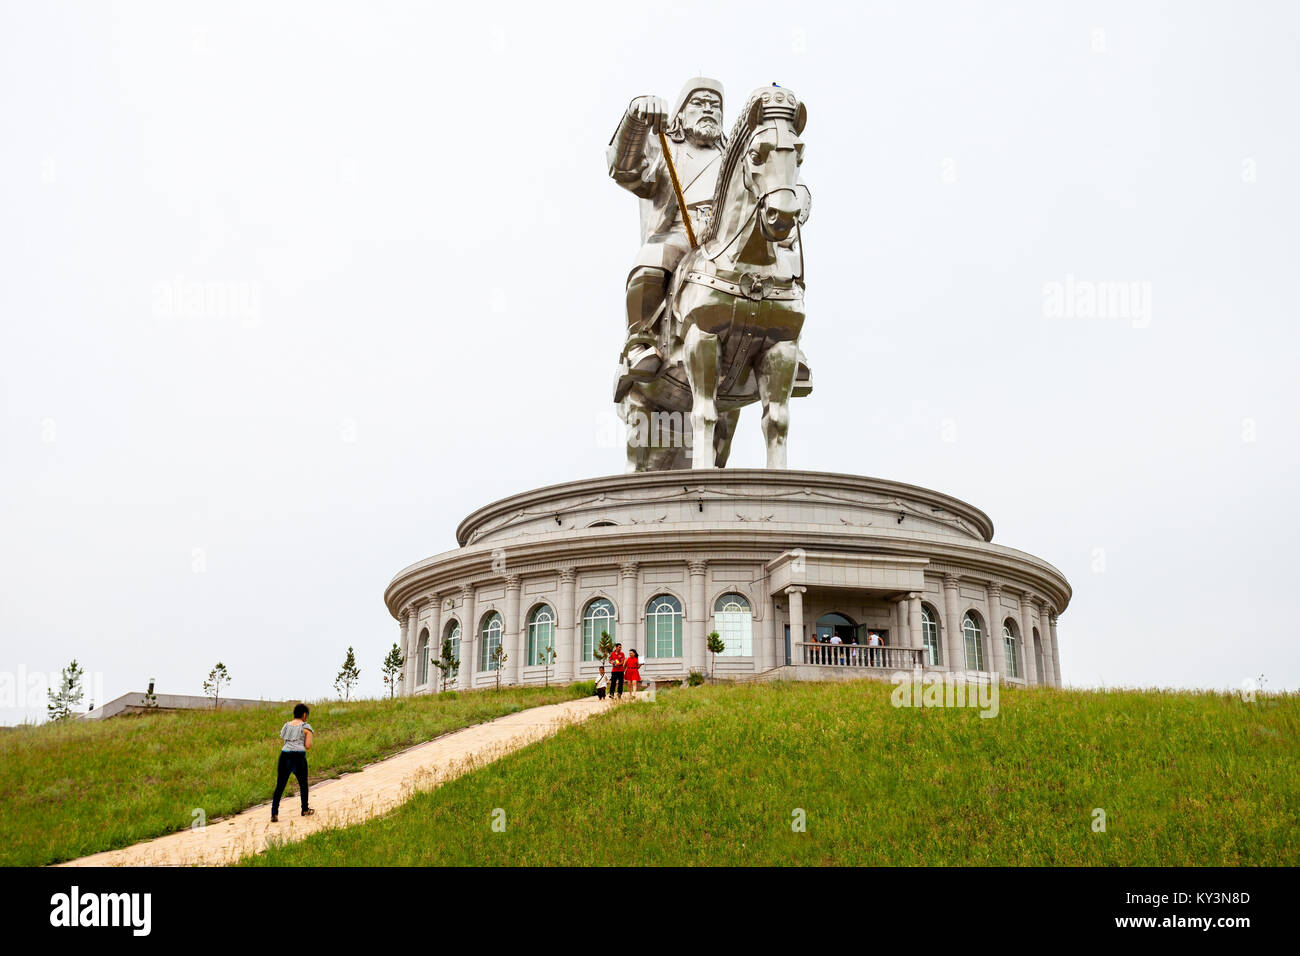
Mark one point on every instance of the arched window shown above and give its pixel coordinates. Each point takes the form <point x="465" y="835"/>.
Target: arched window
<point x="974" y="642"/>
<point x="541" y="634"/>
<point x="1009" y="642"/>
<point x="597" y="618"/>
<point x="930" y="633"/>
<point x="422" y="656"/>
<point x="452" y="633"/>
<point x="734" y="622"/>
<point x="489" y="641"/>
<point x="663" y="627"/>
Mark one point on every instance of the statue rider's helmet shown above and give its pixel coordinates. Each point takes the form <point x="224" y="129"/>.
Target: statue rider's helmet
<point x="691" y="86"/>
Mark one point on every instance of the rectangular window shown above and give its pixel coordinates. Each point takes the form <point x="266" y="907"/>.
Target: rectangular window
<point x="736" y="628"/>
<point x="664" y="635"/>
<point x="491" y="641"/>
<point x="1013" y="662"/>
<point x="591" y="631"/>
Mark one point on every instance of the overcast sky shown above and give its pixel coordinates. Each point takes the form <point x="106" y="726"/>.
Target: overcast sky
<point x="418" y="260"/>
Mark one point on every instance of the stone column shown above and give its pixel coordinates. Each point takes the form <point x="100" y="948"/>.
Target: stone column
<point x="468" y="638"/>
<point x="435" y="643"/>
<point x="952" y="618"/>
<point x="1045" y="637"/>
<point x="1027" y="639"/>
<point x="795" y="594"/>
<point x="407" y="682"/>
<point x="695" y="653"/>
<point x="1056" y="650"/>
<point x="412" y="635"/>
<point x="628" y="612"/>
<point x="997" y="650"/>
<point x="914" y="627"/>
<point x="765" y="638"/>
<point x="568" y="636"/>
<point x="512" y="635"/>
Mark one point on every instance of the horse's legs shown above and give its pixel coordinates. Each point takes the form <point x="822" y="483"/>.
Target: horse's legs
<point x="637" y="421"/>
<point x="723" y="435"/>
<point x="775" y="376"/>
<point x="700" y="354"/>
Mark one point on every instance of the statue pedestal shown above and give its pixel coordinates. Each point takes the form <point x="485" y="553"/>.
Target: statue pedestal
<point x="767" y="558"/>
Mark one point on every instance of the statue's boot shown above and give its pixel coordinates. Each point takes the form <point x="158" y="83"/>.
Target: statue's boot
<point x="647" y="288"/>
<point x="803" y="380"/>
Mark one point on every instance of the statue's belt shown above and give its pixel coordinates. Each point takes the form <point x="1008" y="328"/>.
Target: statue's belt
<point x="749" y="285"/>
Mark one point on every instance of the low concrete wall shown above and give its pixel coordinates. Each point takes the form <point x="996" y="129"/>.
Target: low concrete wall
<point x="133" y="703"/>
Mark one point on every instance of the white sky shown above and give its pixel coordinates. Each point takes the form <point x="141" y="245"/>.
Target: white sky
<point x="416" y="198"/>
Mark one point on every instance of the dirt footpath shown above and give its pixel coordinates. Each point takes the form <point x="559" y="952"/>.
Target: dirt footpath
<point x="354" y="797"/>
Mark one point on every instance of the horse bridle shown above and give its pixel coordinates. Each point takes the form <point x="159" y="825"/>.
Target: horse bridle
<point x="758" y="204"/>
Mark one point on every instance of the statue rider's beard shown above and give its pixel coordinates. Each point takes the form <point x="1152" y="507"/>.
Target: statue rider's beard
<point x="706" y="132"/>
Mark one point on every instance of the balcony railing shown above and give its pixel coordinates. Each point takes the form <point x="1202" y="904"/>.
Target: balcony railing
<point x="860" y="655"/>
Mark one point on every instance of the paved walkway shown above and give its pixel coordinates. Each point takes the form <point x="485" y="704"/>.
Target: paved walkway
<point x="354" y="797"/>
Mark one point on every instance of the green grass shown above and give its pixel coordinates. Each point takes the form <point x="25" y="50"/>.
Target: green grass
<point x="714" y="775"/>
<point x="74" y="788"/>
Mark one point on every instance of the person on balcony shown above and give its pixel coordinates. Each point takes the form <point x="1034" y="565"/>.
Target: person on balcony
<point x="874" y="642"/>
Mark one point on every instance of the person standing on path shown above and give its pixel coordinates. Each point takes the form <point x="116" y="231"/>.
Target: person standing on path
<point x="633" y="672"/>
<point x="295" y="738"/>
<point x="616" y="663"/>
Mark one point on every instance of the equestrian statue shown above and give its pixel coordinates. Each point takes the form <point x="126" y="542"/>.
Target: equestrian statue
<point x="715" y="297"/>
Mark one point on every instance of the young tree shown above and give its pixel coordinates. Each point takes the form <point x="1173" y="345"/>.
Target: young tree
<point x="548" y="658"/>
<point x="446" y="663"/>
<point x="68" y="695"/>
<point x="392" y="669"/>
<point x="217" y="678"/>
<point x="500" y="656"/>
<point x="348" y="676"/>
<point x="716" y="647"/>
<point x="604" y="648"/>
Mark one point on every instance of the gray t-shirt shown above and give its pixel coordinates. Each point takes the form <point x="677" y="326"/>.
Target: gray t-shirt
<point x="294" y="737"/>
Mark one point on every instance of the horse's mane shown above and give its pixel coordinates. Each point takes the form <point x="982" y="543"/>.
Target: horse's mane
<point x="737" y="144"/>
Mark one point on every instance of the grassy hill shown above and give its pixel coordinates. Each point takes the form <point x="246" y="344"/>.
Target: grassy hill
<point x="70" y="789"/>
<point x="718" y="775"/>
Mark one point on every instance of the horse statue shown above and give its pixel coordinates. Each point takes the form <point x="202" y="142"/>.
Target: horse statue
<point x="735" y="308"/>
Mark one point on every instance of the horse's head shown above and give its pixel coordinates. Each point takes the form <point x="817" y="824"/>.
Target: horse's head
<point x="773" y="154"/>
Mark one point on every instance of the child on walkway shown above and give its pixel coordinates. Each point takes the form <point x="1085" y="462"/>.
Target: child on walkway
<point x="602" y="682"/>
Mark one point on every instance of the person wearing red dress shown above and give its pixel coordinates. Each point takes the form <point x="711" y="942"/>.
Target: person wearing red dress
<point x="633" y="672"/>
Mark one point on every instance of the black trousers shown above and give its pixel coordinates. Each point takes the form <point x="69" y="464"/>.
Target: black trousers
<point x="291" y="762"/>
<point x="616" y="680"/>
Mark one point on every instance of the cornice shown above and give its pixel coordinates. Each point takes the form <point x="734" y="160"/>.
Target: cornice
<point x="615" y="548"/>
<point x="691" y="483"/>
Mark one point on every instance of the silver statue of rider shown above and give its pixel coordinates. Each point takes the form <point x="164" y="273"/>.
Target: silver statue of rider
<point x="636" y="162"/>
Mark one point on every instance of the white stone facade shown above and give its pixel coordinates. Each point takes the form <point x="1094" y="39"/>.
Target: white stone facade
<point x="757" y="555"/>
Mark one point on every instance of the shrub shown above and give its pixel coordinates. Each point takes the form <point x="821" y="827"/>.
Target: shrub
<point x="695" y="679"/>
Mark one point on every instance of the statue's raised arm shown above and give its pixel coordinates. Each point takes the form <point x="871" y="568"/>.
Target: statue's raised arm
<point x="633" y="155"/>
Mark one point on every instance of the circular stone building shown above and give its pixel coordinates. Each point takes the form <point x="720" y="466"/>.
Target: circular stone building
<point x="777" y="562"/>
